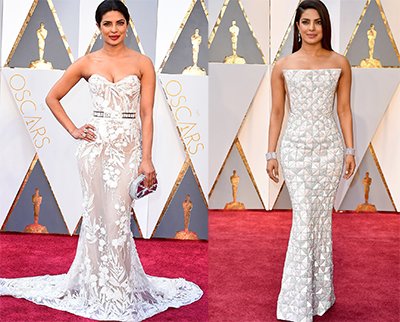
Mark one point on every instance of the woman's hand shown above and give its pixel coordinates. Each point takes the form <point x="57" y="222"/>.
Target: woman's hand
<point x="350" y="165"/>
<point x="84" y="133"/>
<point x="273" y="170"/>
<point x="147" y="168"/>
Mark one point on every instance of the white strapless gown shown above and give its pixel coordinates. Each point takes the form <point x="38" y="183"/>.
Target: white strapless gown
<point x="106" y="280"/>
<point x="312" y="161"/>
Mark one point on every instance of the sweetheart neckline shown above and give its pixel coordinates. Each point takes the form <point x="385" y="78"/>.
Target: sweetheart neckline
<point x="114" y="83"/>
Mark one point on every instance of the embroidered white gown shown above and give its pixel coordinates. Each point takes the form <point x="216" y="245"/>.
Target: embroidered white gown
<point x="106" y="280"/>
<point x="312" y="160"/>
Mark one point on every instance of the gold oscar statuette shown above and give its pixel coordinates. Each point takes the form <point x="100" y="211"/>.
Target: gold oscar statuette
<point x="234" y="205"/>
<point x="36" y="228"/>
<point x="371" y="62"/>
<point x="186" y="234"/>
<point x="41" y="34"/>
<point x="366" y="207"/>
<point x="234" y="58"/>
<point x="195" y="69"/>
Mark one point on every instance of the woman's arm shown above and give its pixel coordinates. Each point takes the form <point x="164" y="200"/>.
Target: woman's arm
<point x="277" y="113"/>
<point x="344" y="113"/>
<point x="148" y="83"/>
<point x="69" y="79"/>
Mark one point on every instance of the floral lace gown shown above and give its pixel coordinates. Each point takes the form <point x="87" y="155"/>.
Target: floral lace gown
<point x="312" y="161"/>
<point x="106" y="280"/>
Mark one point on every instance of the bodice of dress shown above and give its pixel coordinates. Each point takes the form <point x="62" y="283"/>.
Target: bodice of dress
<point x="118" y="104"/>
<point x="115" y="98"/>
<point x="311" y="92"/>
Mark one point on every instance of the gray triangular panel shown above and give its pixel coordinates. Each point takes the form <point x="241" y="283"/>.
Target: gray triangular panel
<point x="173" y="221"/>
<point x="27" y="49"/>
<point x="221" y="45"/>
<point x="283" y="200"/>
<point x="378" y="194"/>
<point x="383" y="49"/>
<point x="222" y="192"/>
<point x="181" y="55"/>
<point x="134" y="228"/>
<point x="49" y="215"/>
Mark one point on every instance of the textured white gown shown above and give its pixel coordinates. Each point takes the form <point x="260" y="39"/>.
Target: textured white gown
<point x="312" y="157"/>
<point x="106" y="280"/>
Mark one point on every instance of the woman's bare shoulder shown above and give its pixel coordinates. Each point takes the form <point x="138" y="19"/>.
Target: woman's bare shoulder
<point x="339" y="60"/>
<point x="286" y="62"/>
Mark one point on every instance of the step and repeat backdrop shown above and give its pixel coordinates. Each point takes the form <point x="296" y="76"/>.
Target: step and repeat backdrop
<point x="213" y="61"/>
<point x="39" y="182"/>
<point x="254" y="34"/>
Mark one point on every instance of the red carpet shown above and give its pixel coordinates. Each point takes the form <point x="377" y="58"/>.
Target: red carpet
<point x="30" y="255"/>
<point x="247" y="251"/>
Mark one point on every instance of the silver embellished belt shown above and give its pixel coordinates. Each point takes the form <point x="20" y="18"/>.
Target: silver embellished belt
<point x="123" y="115"/>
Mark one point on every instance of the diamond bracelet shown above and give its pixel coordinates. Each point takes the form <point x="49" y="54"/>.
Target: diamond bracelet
<point x="271" y="156"/>
<point x="350" y="151"/>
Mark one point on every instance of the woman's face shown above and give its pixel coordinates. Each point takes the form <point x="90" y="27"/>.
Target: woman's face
<point x="310" y="27"/>
<point x="113" y="27"/>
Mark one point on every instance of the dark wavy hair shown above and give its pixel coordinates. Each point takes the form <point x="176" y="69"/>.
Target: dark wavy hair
<point x="111" y="5"/>
<point x="325" y="20"/>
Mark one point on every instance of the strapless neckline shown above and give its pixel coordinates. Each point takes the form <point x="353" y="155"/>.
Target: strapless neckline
<point x="117" y="82"/>
<point x="303" y="69"/>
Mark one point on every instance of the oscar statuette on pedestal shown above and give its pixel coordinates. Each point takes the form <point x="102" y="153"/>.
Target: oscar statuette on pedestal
<point x="234" y="58"/>
<point x="36" y="228"/>
<point x="366" y="206"/>
<point x="371" y="62"/>
<point x="195" y="69"/>
<point x="186" y="234"/>
<point x="41" y="63"/>
<point x="234" y="205"/>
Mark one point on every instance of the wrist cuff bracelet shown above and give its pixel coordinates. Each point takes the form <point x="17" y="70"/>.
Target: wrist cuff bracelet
<point x="271" y="156"/>
<point x="350" y="151"/>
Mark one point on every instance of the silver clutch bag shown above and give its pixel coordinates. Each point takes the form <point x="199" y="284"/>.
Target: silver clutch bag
<point x="138" y="190"/>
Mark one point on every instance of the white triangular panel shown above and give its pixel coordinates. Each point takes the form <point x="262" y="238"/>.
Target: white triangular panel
<point x="232" y="88"/>
<point x="214" y="9"/>
<point x="253" y="137"/>
<point x="168" y="159"/>
<point x="391" y="10"/>
<point x="387" y="147"/>
<point x="257" y="12"/>
<point x="12" y="24"/>
<point x="87" y="24"/>
<point x="55" y="147"/>
<point x="281" y="14"/>
<point x="333" y="7"/>
<point x="170" y="17"/>
<point x="350" y="12"/>
<point x="141" y="208"/>
<point x="65" y="10"/>
<point x="188" y="98"/>
<point x="17" y="151"/>
<point x="372" y="91"/>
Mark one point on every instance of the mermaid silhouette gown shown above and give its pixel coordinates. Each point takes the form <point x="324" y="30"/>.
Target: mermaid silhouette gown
<point x="311" y="156"/>
<point x="106" y="280"/>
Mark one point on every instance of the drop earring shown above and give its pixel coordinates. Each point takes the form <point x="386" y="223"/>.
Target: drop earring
<point x="299" y="37"/>
<point x="126" y="35"/>
<point x="100" y="36"/>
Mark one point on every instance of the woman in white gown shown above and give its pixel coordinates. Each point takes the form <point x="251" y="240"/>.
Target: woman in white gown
<point x="312" y="157"/>
<point x="106" y="280"/>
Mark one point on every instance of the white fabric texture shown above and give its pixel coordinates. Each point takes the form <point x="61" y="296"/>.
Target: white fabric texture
<point x="312" y="157"/>
<point x="106" y="280"/>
